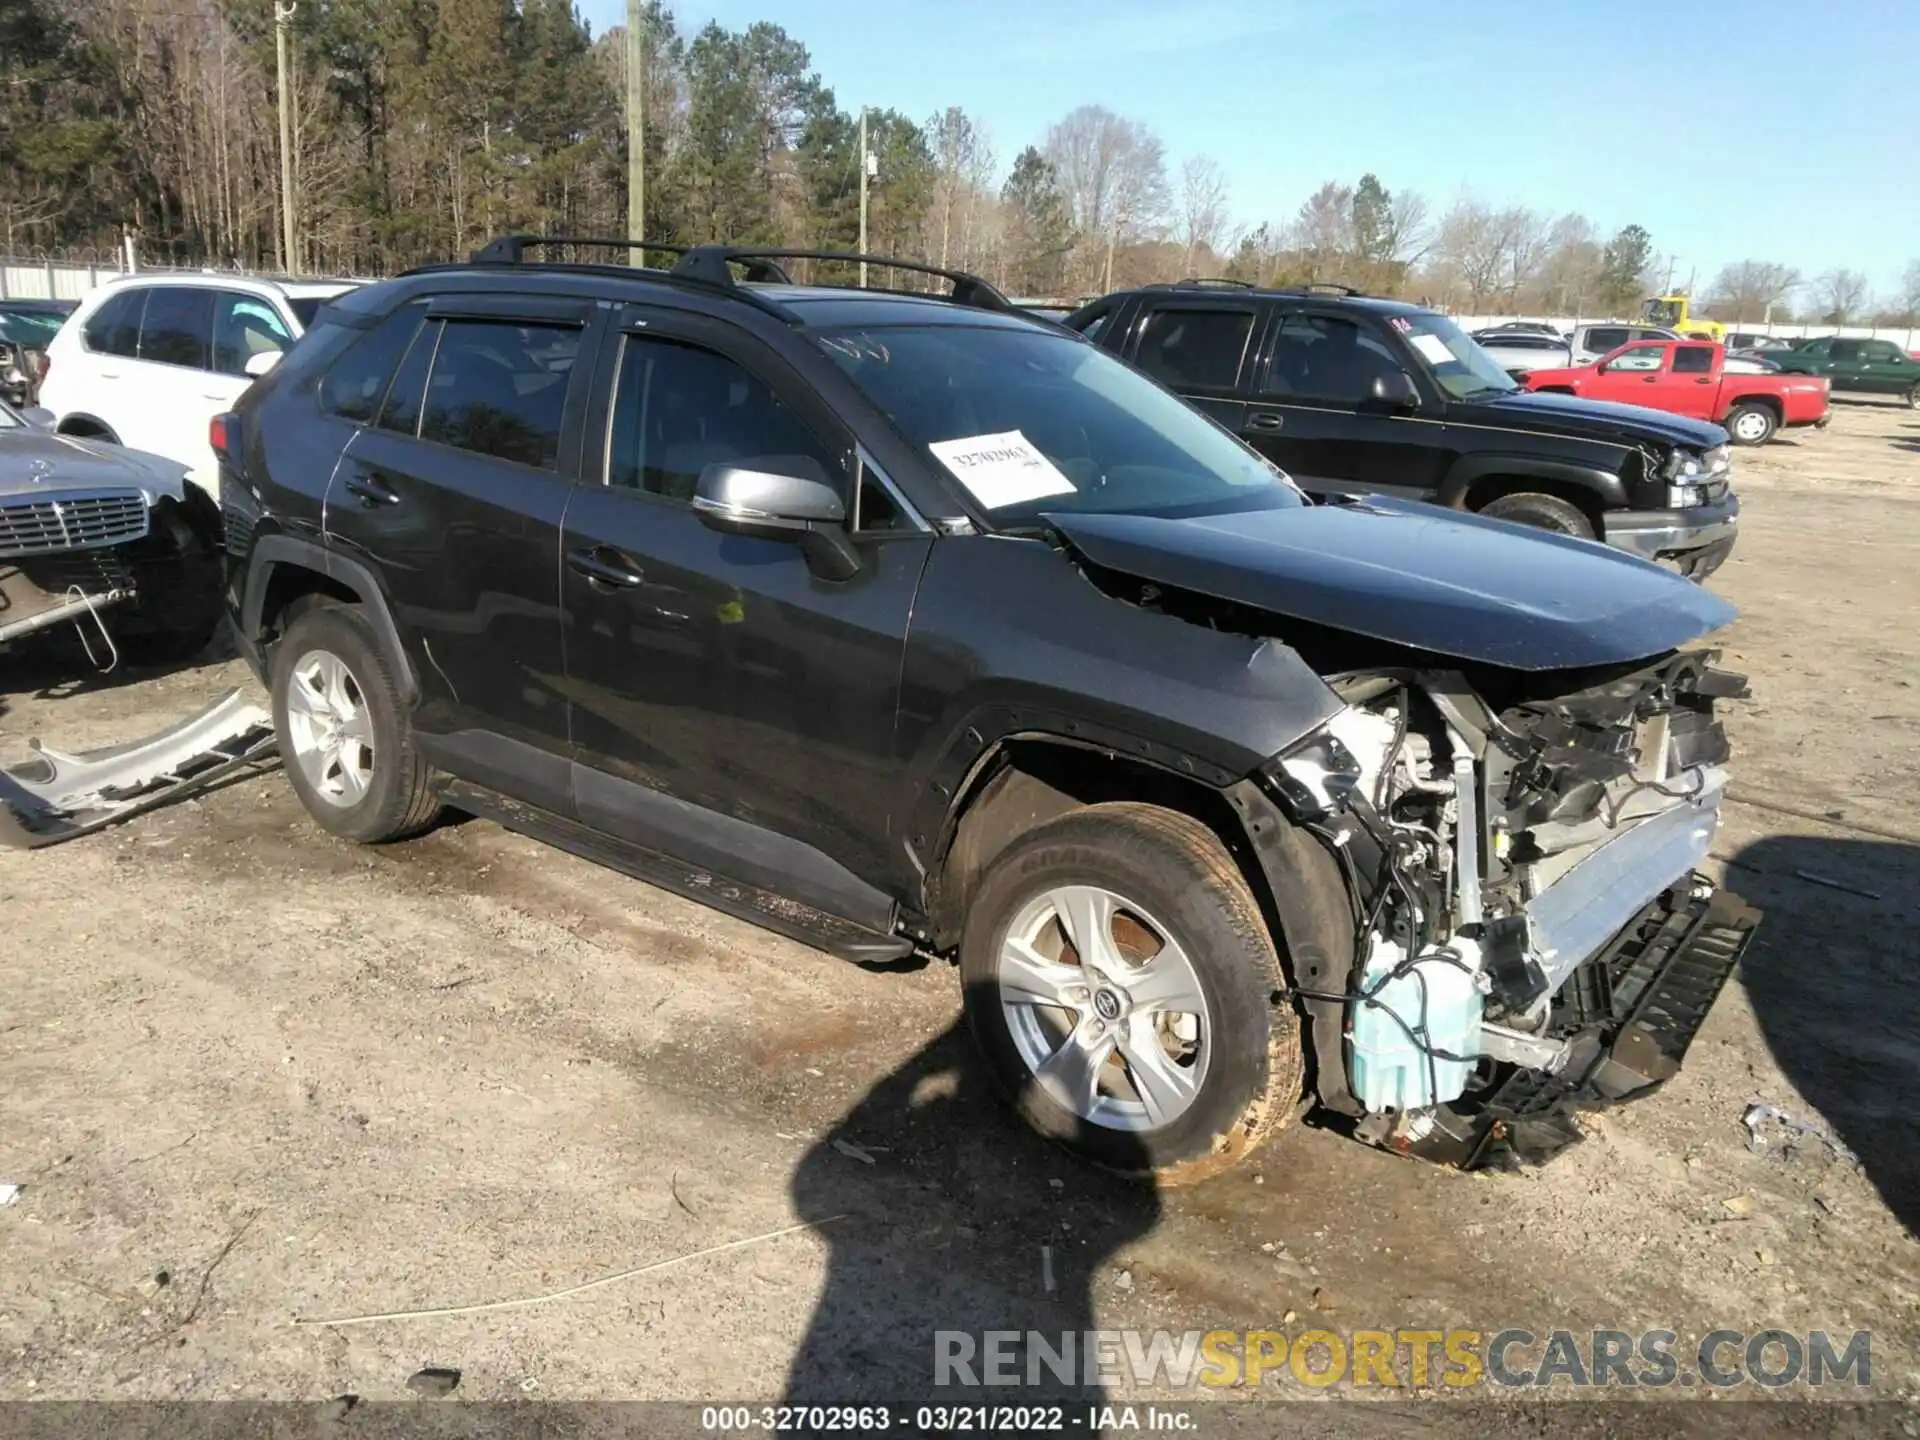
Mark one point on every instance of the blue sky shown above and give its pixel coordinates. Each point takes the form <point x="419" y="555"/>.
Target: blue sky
<point x="1787" y="131"/>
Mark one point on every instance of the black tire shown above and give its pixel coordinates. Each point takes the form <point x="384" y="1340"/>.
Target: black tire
<point x="181" y="606"/>
<point x="1750" y="423"/>
<point x="1542" y="512"/>
<point x="1913" y="397"/>
<point x="399" y="798"/>
<point x="1177" y="871"/>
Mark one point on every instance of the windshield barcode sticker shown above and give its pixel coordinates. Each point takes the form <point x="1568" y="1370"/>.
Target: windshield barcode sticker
<point x="1001" y="470"/>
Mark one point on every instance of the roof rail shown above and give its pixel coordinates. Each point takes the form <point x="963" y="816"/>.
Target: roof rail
<point x="512" y="249"/>
<point x="1217" y="280"/>
<point x="711" y="263"/>
<point x="1325" y="287"/>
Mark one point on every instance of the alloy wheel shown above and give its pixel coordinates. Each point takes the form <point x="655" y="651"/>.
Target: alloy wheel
<point x="330" y="728"/>
<point x="1105" y="1008"/>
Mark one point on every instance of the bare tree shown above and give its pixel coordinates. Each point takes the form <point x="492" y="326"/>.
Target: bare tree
<point x="1910" y="291"/>
<point x="1113" y="174"/>
<point x="1749" y="289"/>
<point x="1203" y="209"/>
<point x="1840" y="294"/>
<point x="962" y="159"/>
<point x="1470" y="251"/>
<point x="1323" y="232"/>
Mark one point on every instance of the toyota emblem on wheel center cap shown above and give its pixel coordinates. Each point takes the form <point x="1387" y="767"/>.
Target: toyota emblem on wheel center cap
<point x="1107" y="1004"/>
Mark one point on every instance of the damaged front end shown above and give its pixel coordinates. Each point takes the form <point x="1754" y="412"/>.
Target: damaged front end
<point x="1530" y="930"/>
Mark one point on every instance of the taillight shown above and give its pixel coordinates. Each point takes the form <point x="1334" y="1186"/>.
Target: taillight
<point x="223" y="434"/>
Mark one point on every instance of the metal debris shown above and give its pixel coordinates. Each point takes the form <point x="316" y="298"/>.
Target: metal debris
<point x="56" y="796"/>
<point x="10" y="1193"/>
<point x="1759" y="1113"/>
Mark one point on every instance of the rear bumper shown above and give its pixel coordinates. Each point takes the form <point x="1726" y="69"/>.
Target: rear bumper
<point x="1628" y="1015"/>
<point x="1697" y="540"/>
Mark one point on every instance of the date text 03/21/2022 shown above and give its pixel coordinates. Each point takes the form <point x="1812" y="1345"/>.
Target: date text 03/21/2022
<point x="947" y="1419"/>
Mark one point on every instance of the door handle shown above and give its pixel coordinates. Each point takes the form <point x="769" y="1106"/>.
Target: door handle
<point x="603" y="565"/>
<point x="371" y="492"/>
<point x="1266" y="420"/>
<point x="1649" y="379"/>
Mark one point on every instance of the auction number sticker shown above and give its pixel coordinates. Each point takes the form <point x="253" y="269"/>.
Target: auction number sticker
<point x="1001" y="470"/>
<point x="1432" y="347"/>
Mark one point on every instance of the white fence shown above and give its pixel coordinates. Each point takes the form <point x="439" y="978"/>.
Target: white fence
<point x="1906" y="339"/>
<point x="28" y="279"/>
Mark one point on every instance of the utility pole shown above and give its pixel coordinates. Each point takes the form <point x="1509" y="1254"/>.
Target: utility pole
<point x="282" y="19"/>
<point x="637" y="127"/>
<point x="866" y="169"/>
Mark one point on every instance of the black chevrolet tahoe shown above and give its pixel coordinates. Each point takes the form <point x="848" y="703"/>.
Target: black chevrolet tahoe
<point x="905" y="623"/>
<point x="1354" y="395"/>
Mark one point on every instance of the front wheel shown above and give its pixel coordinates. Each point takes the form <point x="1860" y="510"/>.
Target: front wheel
<point x="1542" y="512"/>
<point x="1750" y="424"/>
<point x="1125" y="993"/>
<point x="1913" y="397"/>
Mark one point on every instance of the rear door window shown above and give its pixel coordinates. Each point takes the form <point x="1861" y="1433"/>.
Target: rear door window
<point x="1194" y="349"/>
<point x="353" y="387"/>
<point x="498" y="387"/>
<point x="114" y="329"/>
<point x="1692" y="359"/>
<point x="178" y="326"/>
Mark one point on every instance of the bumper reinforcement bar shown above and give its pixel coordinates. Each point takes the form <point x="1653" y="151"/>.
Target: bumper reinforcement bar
<point x="1663" y="974"/>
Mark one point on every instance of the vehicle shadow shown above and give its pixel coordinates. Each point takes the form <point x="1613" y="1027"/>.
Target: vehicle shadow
<point x="54" y="665"/>
<point x="1831" y="977"/>
<point x="961" y="1220"/>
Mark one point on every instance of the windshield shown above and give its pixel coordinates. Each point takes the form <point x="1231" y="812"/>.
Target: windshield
<point x="1031" y="422"/>
<point x="1662" y="312"/>
<point x="1454" y="359"/>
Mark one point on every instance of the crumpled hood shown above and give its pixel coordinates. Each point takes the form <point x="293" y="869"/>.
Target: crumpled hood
<point x="1577" y="415"/>
<point x="1417" y="575"/>
<point x="35" y="461"/>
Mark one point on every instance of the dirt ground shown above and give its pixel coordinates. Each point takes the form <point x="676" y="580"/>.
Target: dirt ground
<point x="251" y="1075"/>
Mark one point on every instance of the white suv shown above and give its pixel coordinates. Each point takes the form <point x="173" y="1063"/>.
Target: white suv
<point x="149" y="359"/>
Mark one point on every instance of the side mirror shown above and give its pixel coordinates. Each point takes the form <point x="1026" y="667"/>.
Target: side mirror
<point x="1396" y="391"/>
<point x="258" y="365"/>
<point x="779" y="497"/>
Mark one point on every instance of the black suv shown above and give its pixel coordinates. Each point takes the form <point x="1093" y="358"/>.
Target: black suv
<point x="908" y="623"/>
<point x="1353" y="395"/>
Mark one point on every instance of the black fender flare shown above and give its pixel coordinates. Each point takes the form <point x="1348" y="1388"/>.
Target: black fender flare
<point x="1312" y="908"/>
<point x="271" y="552"/>
<point x="1606" y="486"/>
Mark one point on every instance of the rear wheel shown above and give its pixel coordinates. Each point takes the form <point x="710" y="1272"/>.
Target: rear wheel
<point x="343" y="731"/>
<point x="1751" y="424"/>
<point x="1542" y="512"/>
<point x="1124" y="991"/>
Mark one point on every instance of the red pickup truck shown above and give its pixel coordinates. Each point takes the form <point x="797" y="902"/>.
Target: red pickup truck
<point x="1689" y="377"/>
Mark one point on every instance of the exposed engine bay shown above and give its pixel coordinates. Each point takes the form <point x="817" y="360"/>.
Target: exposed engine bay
<point x="1530" y="932"/>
